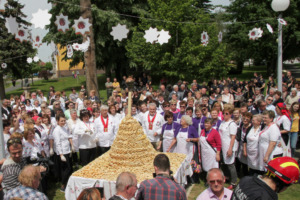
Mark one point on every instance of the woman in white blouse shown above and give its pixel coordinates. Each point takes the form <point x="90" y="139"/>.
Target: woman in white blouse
<point x="31" y="146"/>
<point x="62" y="148"/>
<point x="251" y="145"/>
<point x="283" y="121"/>
<point x="269" y="139"/>
<point x="85" y="132"/>
<point x="72" y="122"/>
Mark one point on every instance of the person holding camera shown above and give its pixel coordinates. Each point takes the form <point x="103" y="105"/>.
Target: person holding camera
<point x="162" y="186"/>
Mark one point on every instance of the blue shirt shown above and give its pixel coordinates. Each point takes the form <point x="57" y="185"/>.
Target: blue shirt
<point x="26" y="193"/>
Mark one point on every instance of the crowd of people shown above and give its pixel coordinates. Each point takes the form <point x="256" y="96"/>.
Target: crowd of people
<point x="229" y="124"/>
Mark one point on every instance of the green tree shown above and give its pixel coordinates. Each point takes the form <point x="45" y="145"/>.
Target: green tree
<point x="110" y="54"/>
<point x="265" y="48"/>
<point x="184" y="56"/>
<point x="13" y="52"/>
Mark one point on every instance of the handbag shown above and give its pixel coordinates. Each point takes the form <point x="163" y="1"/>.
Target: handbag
<point x="196" y="162"/>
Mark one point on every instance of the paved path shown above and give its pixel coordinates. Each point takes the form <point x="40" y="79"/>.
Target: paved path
<point x="18" y="85"/>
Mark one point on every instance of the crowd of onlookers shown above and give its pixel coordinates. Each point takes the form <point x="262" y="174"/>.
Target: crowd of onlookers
<point x="236" y="125"/>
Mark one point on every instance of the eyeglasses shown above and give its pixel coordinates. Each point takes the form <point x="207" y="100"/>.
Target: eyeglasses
<point x="270" y="99"/>
<point x="182" y="106"/>
<point x="214" y="181"/>
<point x="173" y="104"/>
<point x="249" y="101"/>
<point x="166" y="106"/>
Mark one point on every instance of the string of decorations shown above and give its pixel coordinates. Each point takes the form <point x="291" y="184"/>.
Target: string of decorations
<point x="119" y="32"/>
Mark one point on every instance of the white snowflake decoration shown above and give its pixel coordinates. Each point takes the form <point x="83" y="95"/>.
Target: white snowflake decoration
<point x="41" y="18"/>
<point x="163" y="36"/>
<point x="69" y="51"/>
<point x="119" y="32"/>
<point x="270" y="29"/>
<point x="255" y="33"/>
<point x="204" y="38"/>
<point x="220" y="37"/>
<point x="36" y="59"/>
<point x="82" y="47"/>
<point x="37" y="40"/>
<point x="11" y="24"/>
<point x="4" y="65"/>
<point x="29" y="60"/>
<point x="22" y="34"/>
<point x="282" y="21"/>
<point x="62" y="22"/>
<point x="81" y="26"/>
<point x="2" y="5"/>
<point x="151" y="35"/>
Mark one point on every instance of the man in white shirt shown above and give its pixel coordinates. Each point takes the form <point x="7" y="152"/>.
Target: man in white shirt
<point x="105" y="131"/>
<point x="152" y="125"/>
<point x="269" y="101"/>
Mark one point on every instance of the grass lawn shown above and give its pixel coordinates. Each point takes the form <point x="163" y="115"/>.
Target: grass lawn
<point x="65" y="83"/>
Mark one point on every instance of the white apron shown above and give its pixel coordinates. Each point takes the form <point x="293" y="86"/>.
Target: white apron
<point x="168" y="138"/>
<point x="241" y="156"/>
<point x="252" y="149"/>
<point x="286" y="148"/>
<point x="183" y="146"/>
<point x="225" y="138"/>
<point x="208" y="155"/>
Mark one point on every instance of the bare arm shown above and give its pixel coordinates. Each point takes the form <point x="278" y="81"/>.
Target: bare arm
<point x="172" y="144"/>
<point x="229" y="152"/>
<point x="269" y="151"/>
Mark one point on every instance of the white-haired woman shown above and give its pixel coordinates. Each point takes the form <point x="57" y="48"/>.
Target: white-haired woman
<point x="185" y="138"/>
<point x="250" y="143"/>
<point x="291" y="98"/>
<point x="105" y="131"/>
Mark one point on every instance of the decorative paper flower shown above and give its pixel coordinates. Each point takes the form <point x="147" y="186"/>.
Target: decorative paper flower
<point x="163" y="36"/>
<point x="29" y="60"/>
<point x="204" y="38"/>
<point x="81" y="26"/>
<point x="82" y="47"/>
<point x="282" y="21"/>
<point x="255" y="33"/>
<point x="62" y="22"/>
<point x="4" y="65"/>
<point x="119" y="32"/>
<point x="69" y="51"/>
<point x="22" y="34"/>
<point x="151" y="35"/>
<point x="37" y="40"/>
<point x="36" y="59"/>
<point x="41" y="18"/>
<point x="11" y="24"/>
<point x="270" y="29"/>
<point x="220" y="37"/>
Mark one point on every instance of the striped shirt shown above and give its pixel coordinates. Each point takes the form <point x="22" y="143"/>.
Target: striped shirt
<point x="11" y="171"/>
<point x="160" y="188"/>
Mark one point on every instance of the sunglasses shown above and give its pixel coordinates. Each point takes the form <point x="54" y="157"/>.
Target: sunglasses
<point x="173" y="104"/>
<point x="249" y="101"/>
<point x="226" y="113"/>
<point x="214" y="181"/>
<point x="166" y="106"/>
<point x="270" y="99"/>
<point x="14" y="141"/>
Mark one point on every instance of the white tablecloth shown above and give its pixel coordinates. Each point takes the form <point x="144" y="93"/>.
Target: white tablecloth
<point x="77" y="184"/>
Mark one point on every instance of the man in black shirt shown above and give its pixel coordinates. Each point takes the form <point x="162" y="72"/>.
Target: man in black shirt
<point x="282" y="172"/>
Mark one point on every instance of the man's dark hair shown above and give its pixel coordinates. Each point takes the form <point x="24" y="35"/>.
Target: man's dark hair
<point x="162" y="162"/>
<point x="5" y="123"/>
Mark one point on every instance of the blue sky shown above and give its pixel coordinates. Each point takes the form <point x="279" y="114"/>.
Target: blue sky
<point x="32" y="6"/>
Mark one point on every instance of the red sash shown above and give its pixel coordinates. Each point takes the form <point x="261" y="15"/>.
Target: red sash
<point x="105" y="125"/>
<point x="265" y="129"/>
<point x="151" y="122"/>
